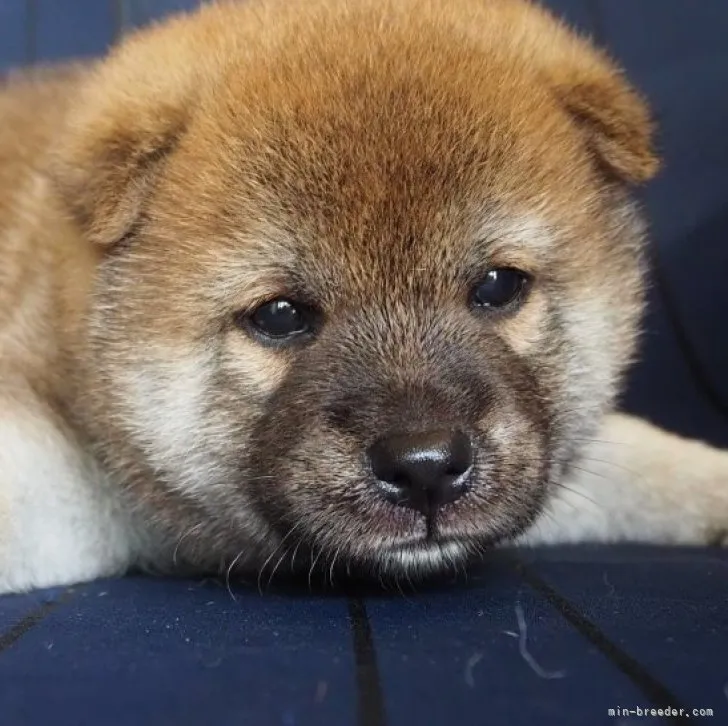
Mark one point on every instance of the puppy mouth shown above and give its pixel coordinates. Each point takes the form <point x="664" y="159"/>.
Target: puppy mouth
<point x="425" y="550"/>
<point x="428" y="529"/>
<point x="376" y="538"/>
<point x="415" y="559"/>
<point x="434" y="545"/>
<point x="430" y="525"/>
<point x="423" y="558"/>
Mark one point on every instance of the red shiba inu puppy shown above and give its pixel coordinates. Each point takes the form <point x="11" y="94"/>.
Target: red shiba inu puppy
<point x="327" y="284"/>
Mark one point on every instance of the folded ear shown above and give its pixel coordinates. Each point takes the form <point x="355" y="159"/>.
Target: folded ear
<point x="135" y="106"/>
<point x="129" y="114"/>
<point x="612" y="115"/>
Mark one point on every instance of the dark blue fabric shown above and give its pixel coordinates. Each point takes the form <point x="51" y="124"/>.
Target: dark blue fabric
<point x="148" y="652"/>
<point x="677" y="53"/>
<point x="140" y="12"/>
<point x="537" y="637"/>
<point x="577" y="13"/>
<point x="453" y="656"/>
<point x="14" y="25"/>
<point x="667" y="607"/>
<point x="75" y="29"/>
<point x="601" y="627"/>
<point x="15" y="609"/>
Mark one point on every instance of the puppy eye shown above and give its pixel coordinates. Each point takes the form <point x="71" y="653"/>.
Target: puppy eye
<point x="501" y="287"/>
<point x="280" y="320"/>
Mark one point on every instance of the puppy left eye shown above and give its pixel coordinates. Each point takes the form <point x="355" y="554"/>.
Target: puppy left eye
<point x="280" y="320"/>
<point x="501" y="287"/>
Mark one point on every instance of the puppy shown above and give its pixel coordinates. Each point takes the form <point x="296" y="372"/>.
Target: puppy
<point x="293" y="285"/>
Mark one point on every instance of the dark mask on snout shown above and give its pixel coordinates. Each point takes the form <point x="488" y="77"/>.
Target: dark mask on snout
<point x="402" y="429"/>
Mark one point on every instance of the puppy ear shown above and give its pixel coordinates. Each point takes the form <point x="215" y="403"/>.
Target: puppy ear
<point x="130" y="113"/>
<point x="614" y="118"/>
<point x="615" y="121"/>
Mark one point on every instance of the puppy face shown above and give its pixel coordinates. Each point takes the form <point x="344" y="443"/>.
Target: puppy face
<point x="370" y="283"/>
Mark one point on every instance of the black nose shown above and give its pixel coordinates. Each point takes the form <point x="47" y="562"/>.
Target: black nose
<point x="422" y="471"/>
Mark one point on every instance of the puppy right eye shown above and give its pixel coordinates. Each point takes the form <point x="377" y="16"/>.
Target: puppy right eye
<point x="279" y="321"/>
<point x="500" y="288"/>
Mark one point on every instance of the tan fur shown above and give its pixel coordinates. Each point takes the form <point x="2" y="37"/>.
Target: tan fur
<point x="375" y="157"/>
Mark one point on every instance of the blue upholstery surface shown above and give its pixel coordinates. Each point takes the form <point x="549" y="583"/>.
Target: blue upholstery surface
<point x="551" y="637"/>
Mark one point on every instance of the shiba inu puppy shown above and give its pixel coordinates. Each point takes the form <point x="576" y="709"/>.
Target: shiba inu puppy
<point x="309" y="285"/>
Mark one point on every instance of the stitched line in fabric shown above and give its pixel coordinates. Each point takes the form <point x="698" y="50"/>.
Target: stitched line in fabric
<point x="659" y="694"/>
<point x="35" y="617"/>
<point x="370" y="706"/>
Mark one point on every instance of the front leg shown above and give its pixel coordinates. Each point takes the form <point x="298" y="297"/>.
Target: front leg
<point x="638" y="483"/>
<point x="59" y="522"/>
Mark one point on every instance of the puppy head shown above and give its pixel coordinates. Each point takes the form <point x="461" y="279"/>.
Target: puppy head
<point x="371" y="279"/>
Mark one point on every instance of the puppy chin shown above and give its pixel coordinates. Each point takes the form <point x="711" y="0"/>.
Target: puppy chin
<point x="427" y="559"/>
<point x="412" y="563"/>
<point x="424" y="559"/>
<point x="413" y="560"/>
<point x="422" y="563"/>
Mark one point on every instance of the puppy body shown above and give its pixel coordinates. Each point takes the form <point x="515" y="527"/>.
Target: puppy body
<point x="374" y="160"/>
<point x="61" y="521"/>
